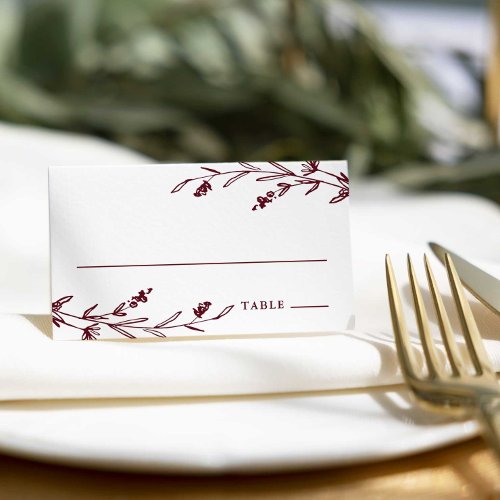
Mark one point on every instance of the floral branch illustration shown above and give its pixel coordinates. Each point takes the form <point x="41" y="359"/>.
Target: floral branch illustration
<point x="90" y="324"/>
<point x="288" y="180"/>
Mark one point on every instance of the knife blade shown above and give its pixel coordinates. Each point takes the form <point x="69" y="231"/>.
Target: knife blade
<point x="484" y="286"/>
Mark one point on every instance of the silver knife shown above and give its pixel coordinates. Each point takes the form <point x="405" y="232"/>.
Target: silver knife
<point x="483" y="286"/>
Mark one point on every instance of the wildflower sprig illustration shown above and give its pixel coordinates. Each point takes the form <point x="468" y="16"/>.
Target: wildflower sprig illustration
<point x="90" y="324"/>
<point x="309" y="179"/>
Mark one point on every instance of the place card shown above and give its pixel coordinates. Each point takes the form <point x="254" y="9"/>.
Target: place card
<point x="169" y="251"/>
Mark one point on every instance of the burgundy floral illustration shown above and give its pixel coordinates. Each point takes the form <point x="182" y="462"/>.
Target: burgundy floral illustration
<point x="312" y="177"/>
<point x="203" y="189"/>
<point x="90" y="324"/>
<point x="201" y="309"/>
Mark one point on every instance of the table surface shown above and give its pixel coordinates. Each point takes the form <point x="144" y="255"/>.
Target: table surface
<point x="466" y="470"/>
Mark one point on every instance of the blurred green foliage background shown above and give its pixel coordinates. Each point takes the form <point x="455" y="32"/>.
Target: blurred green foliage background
<point x="228" y="80"/>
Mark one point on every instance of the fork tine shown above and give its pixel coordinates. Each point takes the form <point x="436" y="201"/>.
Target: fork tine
<point x="431" y="357"/>
<point x="405" y="353"/>
<point x="449" y="341"/>
<point x="472" y="336"/>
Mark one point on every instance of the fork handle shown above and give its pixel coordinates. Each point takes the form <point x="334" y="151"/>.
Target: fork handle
<point x="489" y="414"/>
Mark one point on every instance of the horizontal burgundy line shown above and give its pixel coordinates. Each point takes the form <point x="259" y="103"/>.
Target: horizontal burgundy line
<point x="205" y="263"/>
<point x="306" y="307"/>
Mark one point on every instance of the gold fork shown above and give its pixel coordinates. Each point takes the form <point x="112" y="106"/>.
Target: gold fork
<point x="470" y="389"/>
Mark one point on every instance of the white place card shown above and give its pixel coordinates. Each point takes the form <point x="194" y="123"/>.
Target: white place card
<point x="166" y="251"/>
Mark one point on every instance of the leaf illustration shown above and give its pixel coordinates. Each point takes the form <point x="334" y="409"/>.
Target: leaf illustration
<point x="249" y="166"/>
<point x="65" y="299"/>
<point x="118" y="310"/>
<point x="344" y="177"/>
<point x="194" y="328"/>
<point x="336" y="199"/>
<point x="89" y="310"/>
<point x="180" y="186"/>
<point x="211" y="170"/>
<point x="281" y="167"/>
<point x="225" y="311"/>
<point x="122" y="331"/>
<point x="306" y="181"/>
<point x="272" y="177"/>
<point x="132" y="321"/>
<point x="119" y="307"/>
<point x="169" y="320"/>
<point x="235" y="178"/>
<point x="154" y="332"/>
<point x="316" y="186"/>
<point x="57" y="322"/>
<point x="285" y="187"/>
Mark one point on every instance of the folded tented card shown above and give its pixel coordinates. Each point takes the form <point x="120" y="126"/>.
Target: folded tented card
<point x="166" y="251"/>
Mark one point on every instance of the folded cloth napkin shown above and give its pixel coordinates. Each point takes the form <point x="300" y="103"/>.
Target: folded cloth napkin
<point x="32" y="366"/>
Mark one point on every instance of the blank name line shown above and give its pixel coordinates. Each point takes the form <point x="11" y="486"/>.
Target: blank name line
<point x="307" y="307"/>
<point x="206" y="264"/>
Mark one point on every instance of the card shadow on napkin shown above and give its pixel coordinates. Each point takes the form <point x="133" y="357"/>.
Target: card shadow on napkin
<point x="387" y="371"/>
<point x="394" y="400"/>
<point x="43" y="323"/>
<point x="235" y="367"/>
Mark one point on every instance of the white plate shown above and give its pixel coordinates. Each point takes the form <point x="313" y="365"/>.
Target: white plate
<point x="225" y="435"/>
<point x="218" y="435"/>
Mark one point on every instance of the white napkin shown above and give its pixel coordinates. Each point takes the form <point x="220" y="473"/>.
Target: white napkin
<point x="32" y="366"/>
